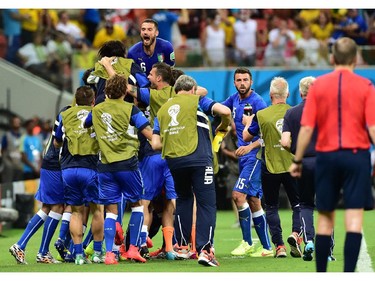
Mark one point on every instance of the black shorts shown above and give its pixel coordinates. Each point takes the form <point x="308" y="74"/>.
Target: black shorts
<point x="346" y="171"/>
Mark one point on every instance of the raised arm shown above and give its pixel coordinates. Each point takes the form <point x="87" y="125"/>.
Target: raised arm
<point x="107" y="63"/>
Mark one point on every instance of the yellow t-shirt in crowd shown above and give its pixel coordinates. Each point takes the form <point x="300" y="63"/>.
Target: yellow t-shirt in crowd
<point x="33" y="23"/>
<point x="102" y="36"/>
<point x="322" y="33"/>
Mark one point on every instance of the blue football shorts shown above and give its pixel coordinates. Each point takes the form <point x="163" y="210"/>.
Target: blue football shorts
<point x="156" y="175"/>
<point x="81" y="186"/>
<point x="249" y="181"/>
<point x="51" y="188"/>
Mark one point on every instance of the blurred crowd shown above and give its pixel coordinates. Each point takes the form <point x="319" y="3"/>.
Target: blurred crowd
<point x="51" y="42"/>
<point x="22" y="147"/>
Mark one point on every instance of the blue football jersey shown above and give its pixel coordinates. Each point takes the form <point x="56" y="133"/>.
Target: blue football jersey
<point x="164" y="52"/>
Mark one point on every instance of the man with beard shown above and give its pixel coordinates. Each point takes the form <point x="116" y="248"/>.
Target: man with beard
<point x="151" y="49"/>
<point x="247" y="192"/>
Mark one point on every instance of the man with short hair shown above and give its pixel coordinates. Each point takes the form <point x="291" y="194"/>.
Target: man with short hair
<point x="341" y="105"/>
<point x="114" y="121"/>
<point x="182" y="132"/>
<point x="247" y="192"/>
<point x="151" y="49"/>
<point x="79" y="157"/>
<point x="10" y="151"/>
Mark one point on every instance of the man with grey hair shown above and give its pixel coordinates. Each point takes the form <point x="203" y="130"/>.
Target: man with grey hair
<point x="185" y="83"/>
<point x="275" y="164"/>
<point x="186" y="145"/>
<point x="305" y="184"/>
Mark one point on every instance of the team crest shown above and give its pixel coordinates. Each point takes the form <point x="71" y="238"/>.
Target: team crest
<point x="160" y="57"/>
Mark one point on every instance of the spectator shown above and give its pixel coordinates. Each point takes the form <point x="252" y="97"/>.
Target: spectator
<point x="278" y="39"/>
<point x="10" y="151"/>
<point x="127" y="19"/>
<point x="191" y="37"/>
<point x="31" y="148"/>
<point x="35" y="58"/>
<point x="371" y="29"/>
<point x="262" y="41"/>
<point x="338" y="27"/>
<point x="45" y="132"/>
<point x="48" y="21"/>
<point x="356" y="27"/>
<point x="308" y="50"/>
<point x="322" y="30"/>
<point x="337" y="15"/>
<point x="192" y="30"/>
<point x="309" y="15"/>
<point x="84" y="57"/>
<point x="74" y="34"/>
<point x="296" y="25"/>
<point x="245" y="39"/>
<point x="213" y="43"/>
<point x="166" y="19"/>
<point x="30" y="25"/>
<point x="60" y="52"/>
<point x="108" y="32"/>
<point x="279" y="13"/>
<point x="227" y="24"/>
<point x="59" y="47"/>
<point x="91" y="20"/>
<point x="12" y="20"/>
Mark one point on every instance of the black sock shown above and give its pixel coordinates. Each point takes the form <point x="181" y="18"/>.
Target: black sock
<point x="351" y="250"/>
<point x="322" y="245"/>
